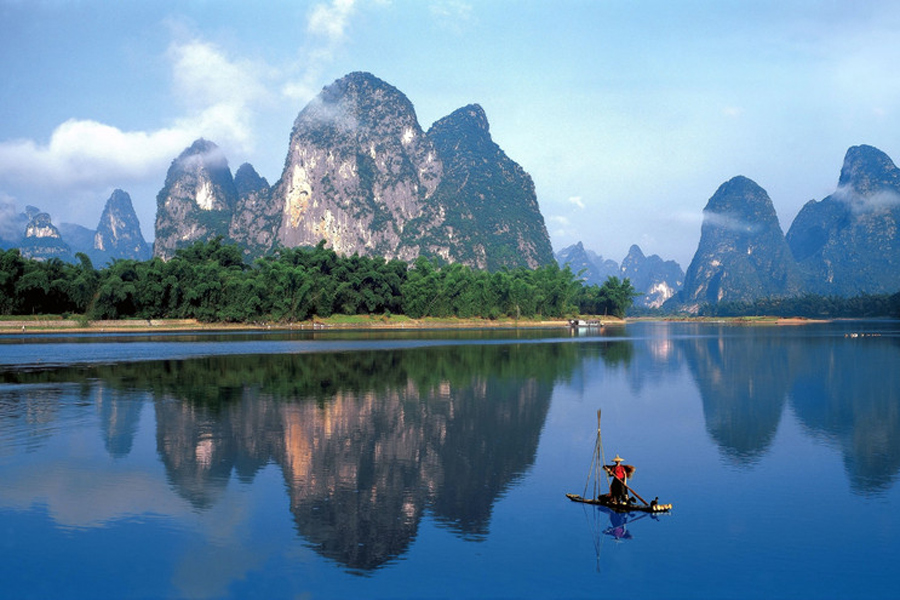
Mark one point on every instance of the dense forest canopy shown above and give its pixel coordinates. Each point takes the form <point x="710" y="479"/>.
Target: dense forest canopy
<point x="211" y="282"/>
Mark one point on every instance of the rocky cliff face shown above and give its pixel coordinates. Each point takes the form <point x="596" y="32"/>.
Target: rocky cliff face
<point x="359" y="168"/>
<point x="659" y="280"/>
<point x="742" y="253"/>
<point x="256" y="217"/>
<point x="362" y="175"/>
<point x="491" y="215"/>
<point x="43" y="241"/>
<point x="593" y="268"/>
<point x="118" y="233"/>
<point x="197" y="201"/>
<point x="848" y="243"/>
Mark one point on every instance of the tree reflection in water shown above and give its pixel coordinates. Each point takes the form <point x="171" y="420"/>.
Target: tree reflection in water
<point x="371" y="441"/>
<point x="367" y="441"/>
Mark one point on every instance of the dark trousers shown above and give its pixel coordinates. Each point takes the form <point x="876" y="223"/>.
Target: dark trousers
<point x="618" y="491"/>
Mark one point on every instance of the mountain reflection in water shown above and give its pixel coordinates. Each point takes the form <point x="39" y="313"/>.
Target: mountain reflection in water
<point x="370" y="441"/>
<point x="366" y="441"/>
<point x="842" y="388"/>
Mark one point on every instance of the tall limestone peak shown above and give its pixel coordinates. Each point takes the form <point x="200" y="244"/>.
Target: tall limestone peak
<point x="119" y="231"/>
<point x="656" y="278"/>
<point x="848" y="243"/>
<point x="358" y="104"/>
<point x="358" y="170"/>
<point x="197" y="200"/>
<point x="867" y="170"/>
<point x="633" y="259"/>
<point x="742" y="254"/>
<point x="496" y="221"/>
<point x="467" y="125"/>
<point x="594" y="269"/>
<point x="12" y="224"/>
<point x="42" y="239"/>
<point x="247" y="181"/>
<point x="578" y="261"/>
<point x="256" y="218"/>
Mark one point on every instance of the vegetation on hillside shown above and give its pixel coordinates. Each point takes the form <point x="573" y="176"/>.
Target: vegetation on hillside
<point x="210" y="281"/>
<point x="811" y="306"/>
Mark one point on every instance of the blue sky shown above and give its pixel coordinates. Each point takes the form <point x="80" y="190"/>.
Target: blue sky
<point x="627" y="114"/>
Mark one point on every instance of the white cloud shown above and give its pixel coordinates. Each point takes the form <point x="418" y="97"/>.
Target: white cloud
<point x="859" y="203"/>
<point x="331" y="20"/>
<point x="206" y="77"/>
<point x="83" y="153"/>
<point x="221" y="93"/>
<point x="327" y="27"/>
<point x="219" y="97"/>
<point x="87" y="153"/>
<point x="559" y="226"/>
<point x="577" y="201"/>
<point x="729" y="222"/>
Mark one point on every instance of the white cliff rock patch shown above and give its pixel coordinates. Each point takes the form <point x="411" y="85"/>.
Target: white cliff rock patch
<point x="41" y="232"/>
<point x="298" y="196"/>
<point x="206" y="197"/>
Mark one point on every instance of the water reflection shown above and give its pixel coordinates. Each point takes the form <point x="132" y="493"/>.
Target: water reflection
<point x="370" y="441"/>
<point x="847" y="392"/>
<point x="843" y="387"/>
<point x="743" y="381"/>
<point x="366" y="441"/>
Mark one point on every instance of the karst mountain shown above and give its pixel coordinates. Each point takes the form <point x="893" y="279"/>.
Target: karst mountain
<point x="362" y="175"/>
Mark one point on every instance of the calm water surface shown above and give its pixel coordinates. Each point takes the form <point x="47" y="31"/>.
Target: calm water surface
<point x="434" y="464"/>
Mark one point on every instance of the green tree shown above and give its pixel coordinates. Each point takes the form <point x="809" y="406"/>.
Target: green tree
<point x="617" y="296"/>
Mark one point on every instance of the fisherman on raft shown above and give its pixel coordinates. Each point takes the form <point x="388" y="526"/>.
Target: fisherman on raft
<point x="618" y="486"/>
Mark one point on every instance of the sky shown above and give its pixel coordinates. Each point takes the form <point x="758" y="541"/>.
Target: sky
<point x="627" y="114"/>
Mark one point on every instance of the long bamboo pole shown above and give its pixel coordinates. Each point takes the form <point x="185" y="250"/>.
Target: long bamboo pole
<point x="601" y="459"/>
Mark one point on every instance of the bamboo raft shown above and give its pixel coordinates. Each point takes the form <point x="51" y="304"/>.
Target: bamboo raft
<point x="606" y="501"/>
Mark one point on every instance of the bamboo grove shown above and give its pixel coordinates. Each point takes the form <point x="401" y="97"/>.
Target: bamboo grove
<point x="211" y="282"/>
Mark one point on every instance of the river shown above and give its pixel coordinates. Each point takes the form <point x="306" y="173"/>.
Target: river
<point x="434" y="464"/>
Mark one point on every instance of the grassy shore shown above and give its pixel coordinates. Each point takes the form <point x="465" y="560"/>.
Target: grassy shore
<point x="59" y="324"/>
<point x="54" y="324"/>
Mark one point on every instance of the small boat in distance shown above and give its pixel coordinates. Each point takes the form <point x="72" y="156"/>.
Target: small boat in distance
<point x="629" y="504"/>
<point x="582" y="324"/>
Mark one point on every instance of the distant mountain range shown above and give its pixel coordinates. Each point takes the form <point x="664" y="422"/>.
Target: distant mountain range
<point x="657" y="280"/>
<point x="118" y="235"/>
<point x="845" y="245"/>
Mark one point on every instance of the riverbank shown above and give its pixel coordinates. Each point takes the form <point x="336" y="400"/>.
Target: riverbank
<point x="51" y="324"/>
<point x="57" y="324"/>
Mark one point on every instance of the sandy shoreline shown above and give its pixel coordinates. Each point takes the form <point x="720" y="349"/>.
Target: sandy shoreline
<point x="49" y="325"/>
<point x="14" y="326"/>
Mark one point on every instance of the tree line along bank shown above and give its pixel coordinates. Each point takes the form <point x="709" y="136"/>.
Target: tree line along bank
<point x="211" y="282"/>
